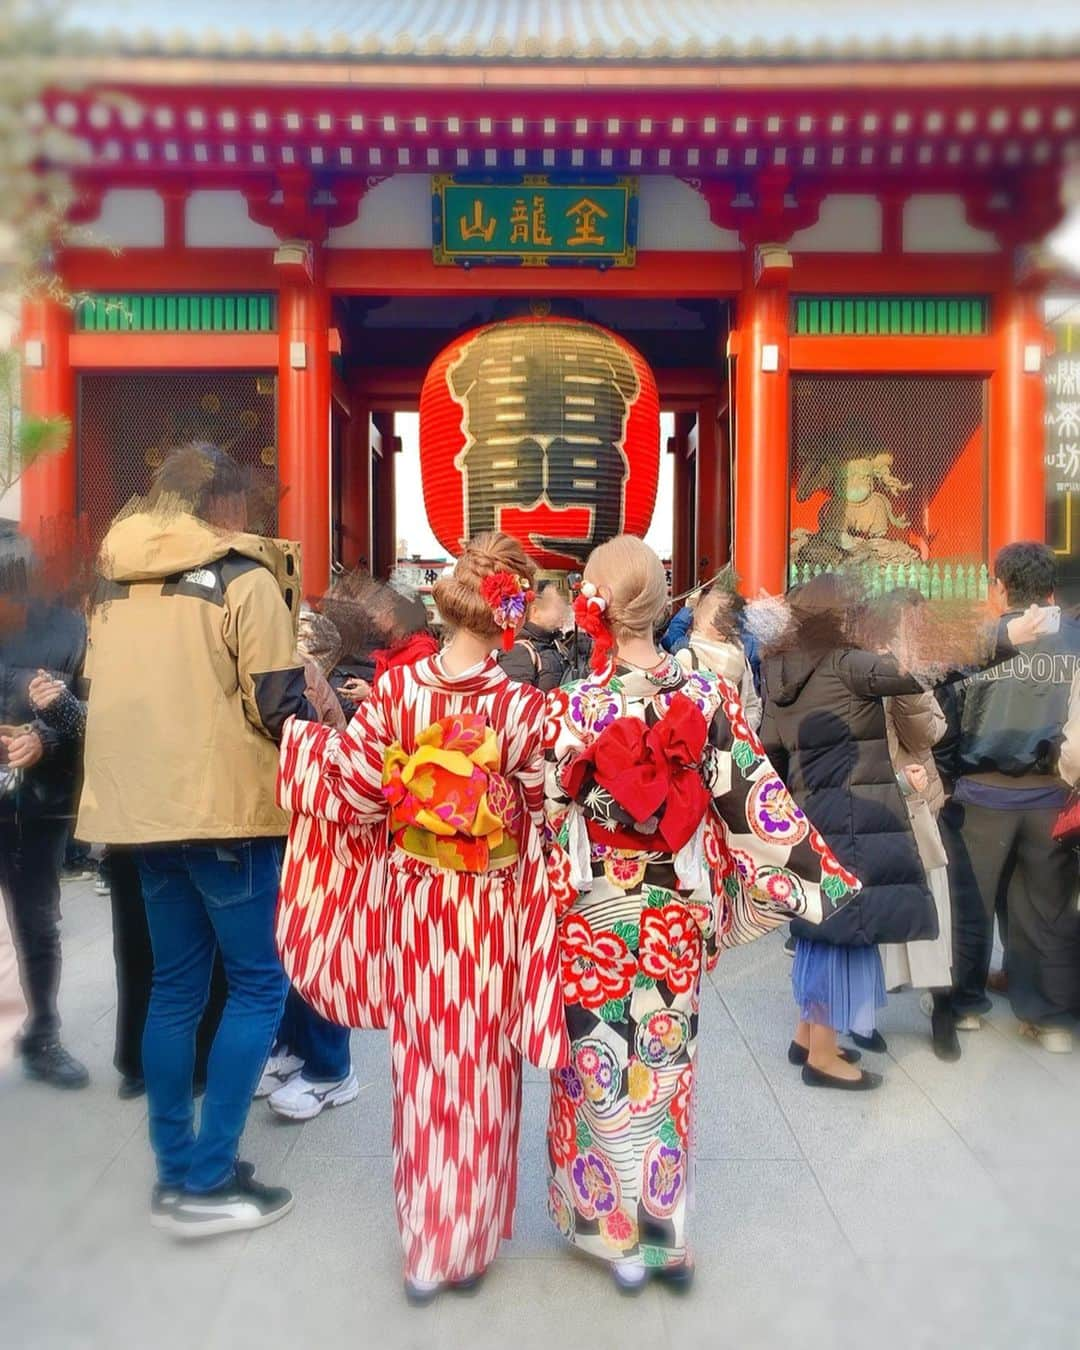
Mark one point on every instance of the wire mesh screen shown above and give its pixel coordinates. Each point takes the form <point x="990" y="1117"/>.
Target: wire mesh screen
<point x="127" y="423"/>
<point x="889" y="472"/>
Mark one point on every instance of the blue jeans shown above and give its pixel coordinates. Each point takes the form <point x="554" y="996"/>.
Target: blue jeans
<point x="199" y="898"/>
<point x="322" y="1045"/>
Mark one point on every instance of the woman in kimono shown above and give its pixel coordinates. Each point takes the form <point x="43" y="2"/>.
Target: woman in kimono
<point x="449" y="753"/>
<point x="671" y="838"/>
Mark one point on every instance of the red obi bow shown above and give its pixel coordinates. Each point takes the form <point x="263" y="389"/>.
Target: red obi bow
<point x="652" y="773"/>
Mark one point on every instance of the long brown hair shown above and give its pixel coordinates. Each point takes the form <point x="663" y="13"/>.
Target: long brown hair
<point x="458" y="597"/>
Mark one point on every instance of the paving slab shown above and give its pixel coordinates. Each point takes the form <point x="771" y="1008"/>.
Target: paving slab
<point x="943" y="1209"/>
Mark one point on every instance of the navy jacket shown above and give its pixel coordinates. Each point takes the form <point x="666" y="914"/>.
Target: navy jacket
<point x="1009" y="719"/>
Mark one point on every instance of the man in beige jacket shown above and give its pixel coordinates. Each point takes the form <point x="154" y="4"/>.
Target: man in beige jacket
<point x="192" y="673"/>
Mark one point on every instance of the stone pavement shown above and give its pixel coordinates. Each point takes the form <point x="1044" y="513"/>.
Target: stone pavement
<point x="943" y="1210"/>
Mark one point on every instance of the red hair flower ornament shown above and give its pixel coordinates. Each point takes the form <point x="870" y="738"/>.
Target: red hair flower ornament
<point x="509" y="596"/>
<point x="590" y="609"/>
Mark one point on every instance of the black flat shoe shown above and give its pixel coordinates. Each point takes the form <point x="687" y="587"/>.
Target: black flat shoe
<point x="798" y="1055"/>
<point x="865" y="1082"/>
<point x="943" y="1032"/>
<point x="875" y="1043"/>
<point x="677" y="1278"/>
<point x="416" y="1297"/>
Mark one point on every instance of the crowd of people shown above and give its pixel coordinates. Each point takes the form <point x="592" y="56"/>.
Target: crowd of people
<point x="526" y="836"/>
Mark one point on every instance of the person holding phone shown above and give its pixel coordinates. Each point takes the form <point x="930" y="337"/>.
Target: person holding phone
<point x="1002" y="755"/>
<point x="41" y="640"/>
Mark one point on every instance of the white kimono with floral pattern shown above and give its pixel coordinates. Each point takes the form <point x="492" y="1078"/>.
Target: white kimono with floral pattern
<point x="637" y="929"/>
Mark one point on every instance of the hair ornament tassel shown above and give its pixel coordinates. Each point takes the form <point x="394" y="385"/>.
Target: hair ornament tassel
<point x="509" y="597"/>
<point x="590" y="612"/>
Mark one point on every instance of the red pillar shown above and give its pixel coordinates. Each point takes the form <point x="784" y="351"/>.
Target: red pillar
<point x="713" y="495"/>
<point x="304" y="424"/>
<point x="48" y="487"/>
<point x="682" y="543"/>
<point x="383" y="500"/>
<point x="355" y="488"/>
<point x="1017" y="477"/>
<point x="762" y="455"/>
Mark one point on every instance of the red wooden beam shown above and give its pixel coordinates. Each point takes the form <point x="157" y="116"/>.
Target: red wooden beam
<point x="199" y="269"/>
<point x="389" y="388"/>
<point x="932" y="355"/>
<point x="919" y="273"/>
<point x="397" y="388"/>
<point x="412" y="272"/>
<point x="683" y="389"/>
<point x="169" y="351"/>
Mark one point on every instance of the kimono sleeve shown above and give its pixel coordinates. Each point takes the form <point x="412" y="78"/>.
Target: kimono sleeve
<point x="538" y="1024"/>
<point x="772" y="865"/>
<point x="343" y="769"/>
<point x="560" y="743"/>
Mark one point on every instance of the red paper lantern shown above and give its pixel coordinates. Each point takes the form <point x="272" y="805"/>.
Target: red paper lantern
<point x="545" y="428"/>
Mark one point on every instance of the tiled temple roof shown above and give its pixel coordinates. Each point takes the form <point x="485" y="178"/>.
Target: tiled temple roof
<point x="597" y="31"/>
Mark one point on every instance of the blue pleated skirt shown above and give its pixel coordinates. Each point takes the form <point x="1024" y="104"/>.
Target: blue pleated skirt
<point x="838" y="987"/>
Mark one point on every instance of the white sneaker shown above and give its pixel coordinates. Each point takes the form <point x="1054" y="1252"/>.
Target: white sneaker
<point x="279" y="1070"/>
<point x="1054" y="1040"/>
<point x="301" y="1100"/>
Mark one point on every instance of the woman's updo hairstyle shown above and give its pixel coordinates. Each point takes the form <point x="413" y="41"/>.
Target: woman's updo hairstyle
<point x="631" y="578"/>
<point x="457" y="597"/>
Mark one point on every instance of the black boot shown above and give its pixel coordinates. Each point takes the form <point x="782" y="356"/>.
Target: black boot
<point x="53" y="1065"/>
<point x="943" y="1028"/>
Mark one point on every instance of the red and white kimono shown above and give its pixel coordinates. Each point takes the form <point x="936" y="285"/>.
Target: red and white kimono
<point x="470" y="975"/>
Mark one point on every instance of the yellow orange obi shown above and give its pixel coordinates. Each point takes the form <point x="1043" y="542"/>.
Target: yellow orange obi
<point x="449" y="805"/>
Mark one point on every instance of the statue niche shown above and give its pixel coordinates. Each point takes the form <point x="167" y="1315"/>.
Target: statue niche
<point x="857" y="522"/>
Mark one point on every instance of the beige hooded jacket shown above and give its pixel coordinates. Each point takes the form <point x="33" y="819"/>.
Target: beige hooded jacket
<point x="192" y="671"/>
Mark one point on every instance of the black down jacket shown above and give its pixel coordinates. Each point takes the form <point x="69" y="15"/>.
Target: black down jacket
<point x="536" y="658"/>
<point x="824" y="730"/>
<point x="52" y="638"/>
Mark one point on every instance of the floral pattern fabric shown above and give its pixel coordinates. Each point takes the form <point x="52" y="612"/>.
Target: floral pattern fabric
<point x="635" y="943"/>
<point x="449" y="791"/>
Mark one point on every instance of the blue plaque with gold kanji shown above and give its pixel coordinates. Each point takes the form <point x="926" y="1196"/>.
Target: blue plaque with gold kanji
<point x="535" y="220"/>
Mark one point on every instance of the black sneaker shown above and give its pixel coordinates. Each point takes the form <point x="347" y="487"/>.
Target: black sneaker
<point x="164" y="1199"/>
<point x="789" y="947"/>
<point x="237" y="1207"/>
<point x="943" y="1031"/>
<point x="131" y="1087"/>
<point x="53" y="1065"/>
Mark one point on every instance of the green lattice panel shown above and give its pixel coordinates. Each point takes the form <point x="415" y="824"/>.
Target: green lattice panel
<point x="169" y="312"/>
<point x="890" y="315"/>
